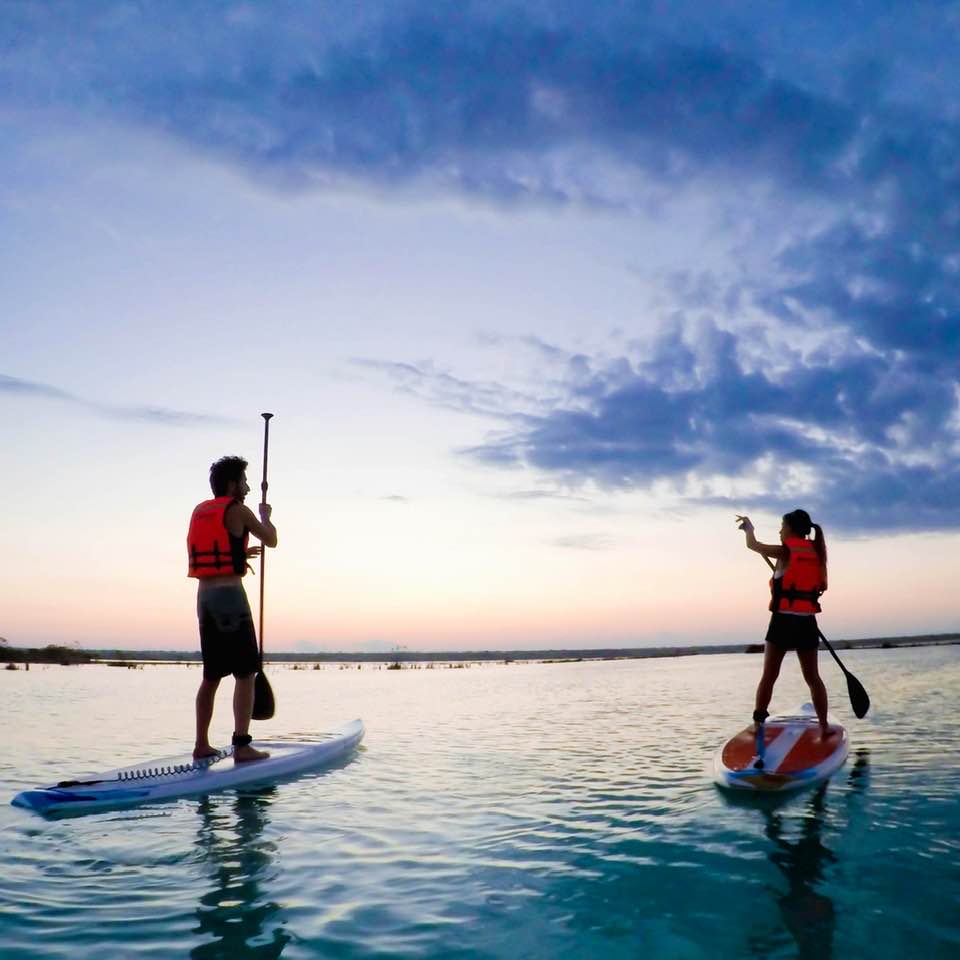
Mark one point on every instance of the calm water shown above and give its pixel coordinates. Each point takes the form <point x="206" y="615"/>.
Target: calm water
<point x="500" y="811"/>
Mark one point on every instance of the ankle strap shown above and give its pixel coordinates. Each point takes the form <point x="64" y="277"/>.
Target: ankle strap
<point x="242" y="739"/>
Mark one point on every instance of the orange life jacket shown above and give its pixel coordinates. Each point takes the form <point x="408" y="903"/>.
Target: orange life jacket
<point x="212" y="551"/>
<point x="799" y="589"/>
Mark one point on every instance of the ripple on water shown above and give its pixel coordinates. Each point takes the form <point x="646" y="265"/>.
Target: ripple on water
<point x="553" y="811"/>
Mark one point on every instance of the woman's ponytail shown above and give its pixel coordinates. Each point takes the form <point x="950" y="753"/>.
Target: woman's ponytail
<point x="820" y="545"/>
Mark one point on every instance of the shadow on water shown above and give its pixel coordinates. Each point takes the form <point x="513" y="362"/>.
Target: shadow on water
<point x="234" y="912"/>
<point x="806" y="912"/>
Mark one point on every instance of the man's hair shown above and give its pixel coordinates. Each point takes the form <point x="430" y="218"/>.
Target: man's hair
<point x="225" y="470"/>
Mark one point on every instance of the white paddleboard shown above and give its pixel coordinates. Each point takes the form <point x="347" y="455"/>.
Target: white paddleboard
<point x="174" y="777"/>
<point x="795" y="755"/>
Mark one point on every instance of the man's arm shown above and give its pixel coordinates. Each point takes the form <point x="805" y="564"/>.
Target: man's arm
<point x="240" y="517"/>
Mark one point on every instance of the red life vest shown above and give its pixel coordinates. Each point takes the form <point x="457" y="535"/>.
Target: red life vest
<point x="212" y="551"/>
<point x="799" y="589"/>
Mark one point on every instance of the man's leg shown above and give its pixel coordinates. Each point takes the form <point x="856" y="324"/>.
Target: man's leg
<point x="242" y="704"/>
<point x="205" y="698"/>
<point x="242" y="711"/>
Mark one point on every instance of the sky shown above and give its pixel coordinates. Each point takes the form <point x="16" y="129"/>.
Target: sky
<point x="540" y="294"/>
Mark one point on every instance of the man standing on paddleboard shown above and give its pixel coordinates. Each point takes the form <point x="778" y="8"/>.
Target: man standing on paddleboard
<point x="799" y="578"/>
<point x="217" y="548"/>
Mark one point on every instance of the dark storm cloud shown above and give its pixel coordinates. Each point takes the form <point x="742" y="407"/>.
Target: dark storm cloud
<point x="474" y="101"/>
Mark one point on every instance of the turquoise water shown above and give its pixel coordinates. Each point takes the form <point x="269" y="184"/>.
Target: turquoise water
<point x="500" y="811"/>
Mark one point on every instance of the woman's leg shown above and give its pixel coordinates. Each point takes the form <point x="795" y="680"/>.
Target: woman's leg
<point x="818" y="692"/>
<point x="772" y="658"/>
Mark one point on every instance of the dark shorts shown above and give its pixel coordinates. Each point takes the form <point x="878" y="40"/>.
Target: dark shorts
<point x="791" y="632"/>
<point x="228" y="640"/>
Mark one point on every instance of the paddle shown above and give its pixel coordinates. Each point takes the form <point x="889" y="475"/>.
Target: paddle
<point x="263" y="703"/>
<point x="859" y="699"/>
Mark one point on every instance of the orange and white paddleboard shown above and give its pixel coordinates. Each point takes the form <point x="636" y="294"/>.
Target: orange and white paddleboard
<point x="794" y="754"/>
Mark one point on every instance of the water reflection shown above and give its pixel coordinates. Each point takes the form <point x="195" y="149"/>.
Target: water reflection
<point x="234" y="913"/>
<point x="807" y="913"/>
<point x="859" y="777"/>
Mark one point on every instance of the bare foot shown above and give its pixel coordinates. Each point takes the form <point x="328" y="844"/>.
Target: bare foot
<point x="204" y="752"/>
<point x="248" y="754"/>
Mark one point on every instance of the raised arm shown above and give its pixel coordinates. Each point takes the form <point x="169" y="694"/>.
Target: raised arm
<point x="240" y="517"/>
<point x="775" y="550"/>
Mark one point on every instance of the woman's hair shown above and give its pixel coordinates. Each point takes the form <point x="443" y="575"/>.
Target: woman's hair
<point x="800" y="523"/>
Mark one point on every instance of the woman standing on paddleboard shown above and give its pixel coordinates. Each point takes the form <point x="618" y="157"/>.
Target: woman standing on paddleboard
<point x="799" y="578"/>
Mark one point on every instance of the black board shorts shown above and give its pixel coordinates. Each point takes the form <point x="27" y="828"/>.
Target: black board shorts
<point x="228" y="640"/>
<point x="790" y="631"/>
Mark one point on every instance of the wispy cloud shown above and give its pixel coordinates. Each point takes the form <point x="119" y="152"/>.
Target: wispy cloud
<point x="537" y="495"/>
<point x="442" y="389"/>
<point x="160" y="416"/>
<point x="585" y="541"/>
<point x="29" y="388"/>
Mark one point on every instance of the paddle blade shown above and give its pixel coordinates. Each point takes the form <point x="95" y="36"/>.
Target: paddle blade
<point x="263" y="705"/>
<point x="858" y="696"/>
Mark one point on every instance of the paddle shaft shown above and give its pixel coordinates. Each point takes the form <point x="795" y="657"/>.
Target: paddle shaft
<point x="263" y="500"/>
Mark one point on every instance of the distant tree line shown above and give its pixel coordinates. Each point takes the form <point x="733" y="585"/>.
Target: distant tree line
<point x="52" y="653"/>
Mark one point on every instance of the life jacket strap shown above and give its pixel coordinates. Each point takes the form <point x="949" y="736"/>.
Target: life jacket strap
<point x="792" y="594"/>
<point x="220" y="559"/>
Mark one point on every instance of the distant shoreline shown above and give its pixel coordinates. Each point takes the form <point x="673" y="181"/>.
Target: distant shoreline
<point x="69" y="656"/>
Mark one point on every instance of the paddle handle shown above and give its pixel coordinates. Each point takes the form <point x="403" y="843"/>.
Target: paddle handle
<point x="266" y="451"/>
<point x="263" y="499"/>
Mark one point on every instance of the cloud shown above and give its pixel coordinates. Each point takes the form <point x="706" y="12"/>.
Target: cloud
<point x="29" y="388"/>
<point x="496" y="103"/>
<point x="830" y="377"/>
<point x="160" y="416"/>
<point x="532" y="496"/>
<point x="585" y="541"/>
<point x="828" y="373"/>
<point x="860" y="437"/>
<point x="442" y="389"/>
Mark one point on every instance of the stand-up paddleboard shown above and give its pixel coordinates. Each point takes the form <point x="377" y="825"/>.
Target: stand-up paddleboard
<point x="794" y="755"/>
<point x="184" y="777"/>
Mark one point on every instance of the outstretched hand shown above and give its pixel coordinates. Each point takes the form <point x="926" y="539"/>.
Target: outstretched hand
<point x="744" y="523"/>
